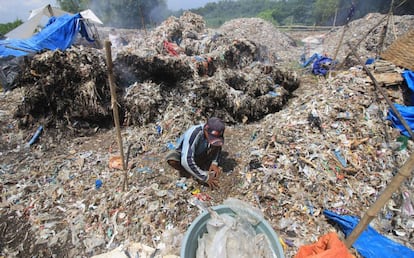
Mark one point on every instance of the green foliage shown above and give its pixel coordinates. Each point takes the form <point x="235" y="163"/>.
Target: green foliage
<point x="73" y="6"/>
<point x="324" y="10"/>
<point x="140" y="13"/>
<point x="6" y="27"/>
<point x="267" y="15"/>
<point x="305" y="12"/>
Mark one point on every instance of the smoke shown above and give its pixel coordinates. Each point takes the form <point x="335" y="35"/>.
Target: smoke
<point x="130" y="14"/>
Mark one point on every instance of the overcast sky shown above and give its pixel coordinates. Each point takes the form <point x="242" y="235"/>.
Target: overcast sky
<point x="10" y="10"/>
<point x="185" y="4"/>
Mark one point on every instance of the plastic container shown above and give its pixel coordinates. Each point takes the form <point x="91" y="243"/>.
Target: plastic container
<point x="198" y="228"/>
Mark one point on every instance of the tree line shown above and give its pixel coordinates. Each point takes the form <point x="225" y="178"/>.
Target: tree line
<point x="302" y="12"/>
<point x="136" y="14"/>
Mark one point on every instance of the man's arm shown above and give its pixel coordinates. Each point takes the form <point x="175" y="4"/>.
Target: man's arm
<point x="191" y="137"/>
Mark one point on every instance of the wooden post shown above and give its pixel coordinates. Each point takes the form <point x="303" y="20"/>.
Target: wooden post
<point x="385" y="30"/>
<point x="142" y="20"/>
<point x="345" y="28"/>
<point x="49" y="8"/>
<point x="377" y="87"/>
<point x="114" y="105"/>
<point x="371" y="213"/>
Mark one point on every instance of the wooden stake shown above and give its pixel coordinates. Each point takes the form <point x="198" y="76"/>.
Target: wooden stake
<point x="114" y="105"/>
<point x="385" y="30"/>
<point x="142" y="20"/>
<point x="371" y="213"/>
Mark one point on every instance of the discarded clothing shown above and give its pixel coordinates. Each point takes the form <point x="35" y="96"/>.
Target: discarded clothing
<point x="311" y="59"/>
<point x="328" y="245"/>
<point x="370" y="243"/>
<point x="321" y="65"/>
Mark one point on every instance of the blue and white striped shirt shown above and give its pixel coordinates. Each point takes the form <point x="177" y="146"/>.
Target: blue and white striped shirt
<point x="192" y="144"/>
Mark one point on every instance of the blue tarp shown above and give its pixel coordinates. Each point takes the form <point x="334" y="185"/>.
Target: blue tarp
<point x="59" y="33"/>
<point x="370" y="244"/>
<point x="321" y="64"/>
<point x="407" y="112"/>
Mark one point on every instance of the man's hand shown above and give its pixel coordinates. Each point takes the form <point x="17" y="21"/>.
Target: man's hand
<point x="216" y="169"/>
<point x="212" y="181"/>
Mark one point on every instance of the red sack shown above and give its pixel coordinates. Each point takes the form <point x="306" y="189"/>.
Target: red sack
<point x="328" y="246"/>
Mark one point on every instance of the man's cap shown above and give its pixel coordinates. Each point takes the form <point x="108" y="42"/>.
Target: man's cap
<point x="215" y="130"/>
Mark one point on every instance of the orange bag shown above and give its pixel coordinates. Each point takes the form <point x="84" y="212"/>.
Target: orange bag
<point x="115" y="162"/>
<point x="328" y="246"/>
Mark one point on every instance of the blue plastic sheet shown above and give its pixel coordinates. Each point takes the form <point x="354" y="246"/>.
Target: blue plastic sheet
<point x="407" y="112"/>
<point x="59" y="33"/>
<point x="409" y="78"/>
<point x="321" y="65"/>
<point x="311" y="59"/>
<point x="370" y="244"/>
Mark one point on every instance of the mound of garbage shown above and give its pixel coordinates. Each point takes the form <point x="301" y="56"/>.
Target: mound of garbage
<point x="227" y="76"/>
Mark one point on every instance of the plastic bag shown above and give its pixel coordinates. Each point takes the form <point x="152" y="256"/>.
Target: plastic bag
<point x="328" y="245"/>
<point x="370" y="244"/>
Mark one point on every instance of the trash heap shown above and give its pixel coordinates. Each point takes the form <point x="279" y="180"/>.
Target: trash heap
<point x="295" y="144"/>
<point x="372" y="34"/>
<point x="192" y="63"/>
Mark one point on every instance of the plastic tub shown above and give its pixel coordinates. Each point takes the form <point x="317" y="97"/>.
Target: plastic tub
<point x="198" y="228"/>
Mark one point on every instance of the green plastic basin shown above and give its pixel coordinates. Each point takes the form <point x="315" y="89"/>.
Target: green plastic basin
<point x="198" y="228"/>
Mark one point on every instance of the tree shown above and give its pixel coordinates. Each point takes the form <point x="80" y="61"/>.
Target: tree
<point x="6" y="27"/>
<point x="267" y="15"/>
<point x="73" y="6"/>
<point x="324" y="10"/>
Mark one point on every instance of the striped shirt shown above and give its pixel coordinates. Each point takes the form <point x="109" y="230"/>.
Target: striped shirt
<point x="192" y="144"/>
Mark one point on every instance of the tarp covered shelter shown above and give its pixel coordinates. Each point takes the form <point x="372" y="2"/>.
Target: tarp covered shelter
<point x="29" y="27"/>
<point x="60" y="32"/>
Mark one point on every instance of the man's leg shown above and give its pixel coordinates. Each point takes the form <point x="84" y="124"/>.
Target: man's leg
<point x="174" y="160"/>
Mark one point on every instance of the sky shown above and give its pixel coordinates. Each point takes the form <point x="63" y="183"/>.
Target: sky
<point x="10" y="10"/>
<point x="185" y="4"/>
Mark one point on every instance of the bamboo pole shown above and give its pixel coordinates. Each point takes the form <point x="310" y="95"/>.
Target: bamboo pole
<point x="385" y="30"/>
<point x="142" y="20"/>
<point x="345" y="28"/>
<point x="404" y="172"/>
<point x="114" y="105"/>
<point x="377" y="87"/>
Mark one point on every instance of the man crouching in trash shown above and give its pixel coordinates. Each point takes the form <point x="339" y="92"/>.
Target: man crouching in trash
<point x="198" y="152"/>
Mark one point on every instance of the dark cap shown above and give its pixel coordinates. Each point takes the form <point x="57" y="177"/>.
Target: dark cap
<point x="215" y="130"/>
